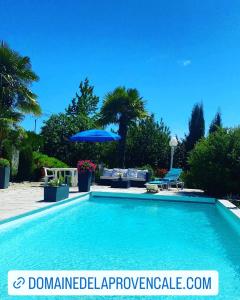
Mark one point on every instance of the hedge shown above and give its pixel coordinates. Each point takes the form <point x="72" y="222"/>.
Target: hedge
<point x="41" y="160"/>
<point x="215" y="163"/>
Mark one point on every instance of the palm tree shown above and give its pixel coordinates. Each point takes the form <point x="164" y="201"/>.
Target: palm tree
<point x="122" y="107"/>
<point x="16" y="97"/>
<point x="15" y="78"/>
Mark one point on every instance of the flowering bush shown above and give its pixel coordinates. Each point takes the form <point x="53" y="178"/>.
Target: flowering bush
<point x="86" y="165"/>
<point x="161" y="172"/>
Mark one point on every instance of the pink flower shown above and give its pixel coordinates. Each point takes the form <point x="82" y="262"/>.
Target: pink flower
<point x="85" y="165"/>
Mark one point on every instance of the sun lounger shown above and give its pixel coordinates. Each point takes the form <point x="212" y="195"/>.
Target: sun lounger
<point x="170" y="179"/>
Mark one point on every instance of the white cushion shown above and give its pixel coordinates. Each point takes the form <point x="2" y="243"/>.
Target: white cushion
<point x="107" y="172"/>
<point x="132" y="173"/>
<point x="115" y="172"/>
<point x="124" y="172"/>
<point x="142" y="174"/>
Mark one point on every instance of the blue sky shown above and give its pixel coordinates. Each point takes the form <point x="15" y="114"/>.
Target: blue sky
<point x="176" y="53"/>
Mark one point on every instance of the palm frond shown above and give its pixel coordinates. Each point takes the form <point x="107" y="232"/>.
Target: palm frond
<point x="16" y="77"/>
<point x="122" y="103"/>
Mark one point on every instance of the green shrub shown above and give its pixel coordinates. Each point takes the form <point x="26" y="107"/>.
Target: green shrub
<point x="34" y="140"/>
<point x="97" y="175"/>
<point x="7" y="150"/>
<point x="41" y="160"/>
<point x="56" y="182"/>
<point x="150" y="170"/>
<point x="4" y="162"/>
<point x="215" y="163"/>
<point x="25" y="167"/>
<point x="186" y="177"/>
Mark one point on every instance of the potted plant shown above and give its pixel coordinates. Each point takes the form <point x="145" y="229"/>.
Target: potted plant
<point x="56" y="190"/>
<point x="4" y="173"/>
<point x="120" y="176"/>
<point x="85" y="171"/>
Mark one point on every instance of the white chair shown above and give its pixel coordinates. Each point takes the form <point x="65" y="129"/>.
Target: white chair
<point x="48" y="175"/>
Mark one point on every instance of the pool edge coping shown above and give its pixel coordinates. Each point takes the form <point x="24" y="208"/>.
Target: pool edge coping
<point x="229" y="206"/>
<point x="233" y="209"/>
<point x="209" y="200"/>
<point x="41" y="209"/>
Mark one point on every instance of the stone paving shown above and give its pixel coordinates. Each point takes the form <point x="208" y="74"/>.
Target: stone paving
<point x="20" y="198"/>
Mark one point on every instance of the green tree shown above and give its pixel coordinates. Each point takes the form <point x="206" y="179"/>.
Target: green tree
<point x="196" y="127"/>
<point x="215" y="164"/>
<point x="148" y="143"/>
<point x="25" y="167"/>
<point x="122" y="107"/>
<point x="56" y="132"/>
<point x="16" y="76"/>
<point x="16" y="97"/>
<point x="180" y="155"/>
<point x="84" y="104"/>
<point x="34" y="140"/>
<point x="80" y="115"/>
<point x="216" y="123"/>
<point x="108" y="153"/>
<point x="10" y="132"/>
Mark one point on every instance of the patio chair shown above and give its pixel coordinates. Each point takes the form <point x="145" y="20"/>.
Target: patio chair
<point x="48" y="175"/>
<point x="170" y="179"/>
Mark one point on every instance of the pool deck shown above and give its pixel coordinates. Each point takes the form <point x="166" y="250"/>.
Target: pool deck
<point x="20" y="198"/>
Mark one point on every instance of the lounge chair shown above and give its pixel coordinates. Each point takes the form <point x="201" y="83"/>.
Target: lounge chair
<point x="170" y="179"/>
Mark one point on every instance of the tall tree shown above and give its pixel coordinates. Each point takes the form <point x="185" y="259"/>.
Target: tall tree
<point x="196" y="127"/>
<point x="80" y="115"/>
<point x="56" y="131"/>
<point x="122" y="107"/>
<point x="216" y="123"/>
<point x="148" y="143"/>
<point x="16" y="97"/>
<point x="84" y="103"/>
<point x="180" y="154"/>
<point x="16" y="76"/>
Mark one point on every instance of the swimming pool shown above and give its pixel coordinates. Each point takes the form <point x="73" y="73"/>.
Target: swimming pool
<point x="105" y="233"/>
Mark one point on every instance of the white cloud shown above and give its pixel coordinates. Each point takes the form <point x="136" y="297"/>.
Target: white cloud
<point x="185" y="62"/>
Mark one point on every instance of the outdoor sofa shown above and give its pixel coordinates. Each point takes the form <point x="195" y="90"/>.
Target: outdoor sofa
<point x="136" y="177"/>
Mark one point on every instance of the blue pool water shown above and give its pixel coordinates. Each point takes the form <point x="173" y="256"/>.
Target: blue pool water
<point x="112" y="233"/>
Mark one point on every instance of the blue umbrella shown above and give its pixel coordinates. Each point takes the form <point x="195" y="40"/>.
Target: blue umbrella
<point x="95" y="135"/>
